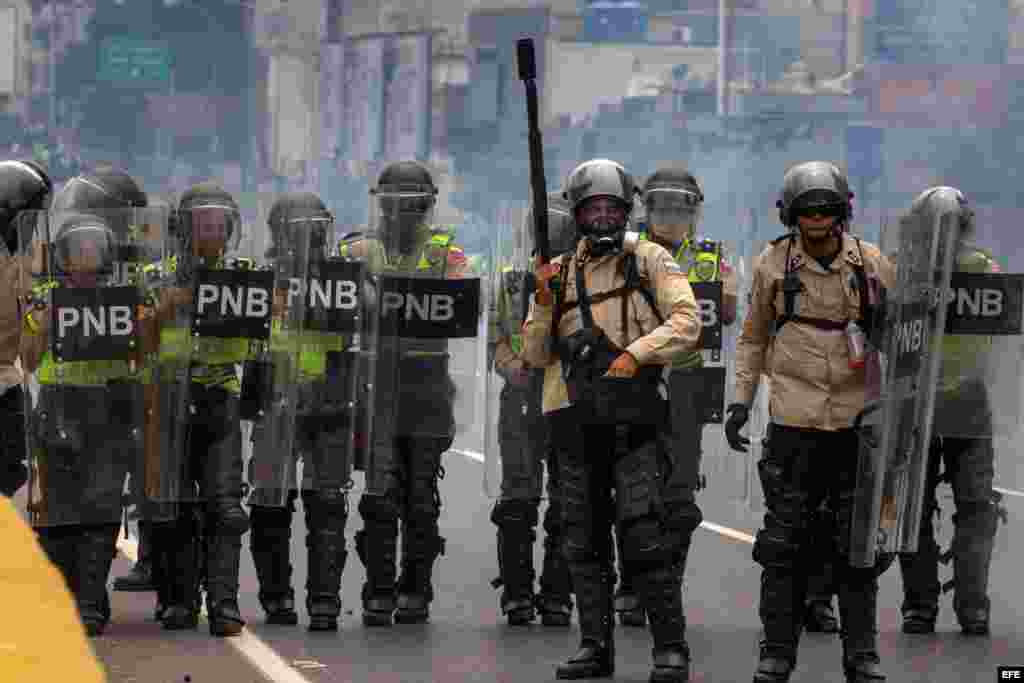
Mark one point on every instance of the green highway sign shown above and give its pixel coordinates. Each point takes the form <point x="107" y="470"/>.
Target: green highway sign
<point x="133" y="61"/>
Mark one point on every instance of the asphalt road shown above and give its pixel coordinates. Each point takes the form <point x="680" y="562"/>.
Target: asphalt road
<point x="467" y="640"/>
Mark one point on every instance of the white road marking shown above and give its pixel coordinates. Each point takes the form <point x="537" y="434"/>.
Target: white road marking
<point x="1009" y="492"/>
<point x="729" y="533"/>
<point x="259" y="654"/>
<point x="717" y="528"/>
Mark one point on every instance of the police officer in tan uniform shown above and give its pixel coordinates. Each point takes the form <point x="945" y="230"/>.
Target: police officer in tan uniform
<point x="24" y="186"/>
<point x="807" y="286"/>
<point x="623" y="311"/>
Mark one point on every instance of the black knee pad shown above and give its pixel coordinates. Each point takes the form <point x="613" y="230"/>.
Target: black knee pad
<point x="776" y="548"/>
<point x="227" y="518"/>
<point x="515" y="513"/>
<point x="977" y="519"/>
<point x="323" y="506"/>
<point x="378" y="509"/>
<point x="645" y="547"/>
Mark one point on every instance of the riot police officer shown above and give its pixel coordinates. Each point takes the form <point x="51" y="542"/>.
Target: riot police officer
<point x="106" y="187"/>
<point x="523" y="442"/>
<point x="613" y="335"/>
<point x="673" y="199"/>
<point x="80" y="433"/>
<point x="300" y="221"/>
<point x="24" y="186"/>
<point x="807" y="287"/>
<point x="208" y="528"/>
<point x="404" y="462"/>
<point x="961" y="453"/>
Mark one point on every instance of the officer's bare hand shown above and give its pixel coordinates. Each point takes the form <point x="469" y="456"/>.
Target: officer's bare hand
<point x="545" y="272"/>
<point x="624" y="366"/>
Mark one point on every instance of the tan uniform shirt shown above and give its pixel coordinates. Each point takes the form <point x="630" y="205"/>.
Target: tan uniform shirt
<point x="812" y="384"/>
<point x="15" y="285"/>
<point x="649" y="341"/>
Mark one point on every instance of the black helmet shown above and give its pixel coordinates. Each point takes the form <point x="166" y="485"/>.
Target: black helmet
<point x="814" y="184"/>
<point x="405" y="200"/>
<point x="24" y="186"/>
<point x="405" y="177"/>
<point x="299" y="216"/>
<point x="932" y="206"/>
<point x="601" y="178"/>
<point x="562" y="233"/>
<point x="674" y="178"/>
<point x="206" y="195"/>
<point x="672" y="196"/>
<point x="75" y="232"/>
<point x="104" y="188"/>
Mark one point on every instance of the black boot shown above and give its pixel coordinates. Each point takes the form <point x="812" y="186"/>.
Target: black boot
<point x="270" y="541"/>
<point x="376" y="546"/>
<point x="161" y="537"/>
<point x="181" y="542"/>
<point x="555" y="598"/>
<point x="974" y="533"/>
<point x="415" y="585"/>
<point x="858" y="605"/>
<point x="628" y="604"/>
<point x="596" y="655"/>
<point x="782" y="596"/>
<point x="96" y="550"/>
<point x="140" y="578"/>
<point x="921" y="587"/>
<point x="516" y="520"/>
<point x="662" y="595"/>
<point x="223" y="556"/>
<point x="326" y="514"/>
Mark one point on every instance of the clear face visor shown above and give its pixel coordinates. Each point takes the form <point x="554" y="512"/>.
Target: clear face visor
<point x="402" y="220"/>
<point x="85" y="248"/>
<point x="215" y="230"/>
<point x="672" y="207"/>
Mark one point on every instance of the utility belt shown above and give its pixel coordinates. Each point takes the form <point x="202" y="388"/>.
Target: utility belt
<point x="586" y="356"/>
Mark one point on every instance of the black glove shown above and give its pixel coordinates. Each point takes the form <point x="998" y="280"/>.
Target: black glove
<point x="738" y="416"/>
<point x="13" y="472"/>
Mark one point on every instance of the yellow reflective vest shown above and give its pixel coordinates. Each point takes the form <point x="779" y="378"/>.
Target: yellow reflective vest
<point x="702" y="260"/>
<point x="965" y="357"/>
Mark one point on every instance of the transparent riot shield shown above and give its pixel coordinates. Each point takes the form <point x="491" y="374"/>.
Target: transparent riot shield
<point x="333" y="395"/>
<point x="978" y="396"/>
<point x="91" y="354"/>
<point x="427" y="370"/>
<point x="896" y="424"/>
<point x="214" y="315"/>
<point x="514" y="423"/>
<point x="271" y="381"/>
<point x="697" y="382"/>
<point x="729" y="471"/>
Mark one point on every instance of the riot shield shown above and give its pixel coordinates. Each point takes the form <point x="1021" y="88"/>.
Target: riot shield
<point x="426" y="373"/>
<point x="214" y="315"/>
<point x="514" y="422"/>
<point x="333" y="400"/>
<point x="697" y="382"/>
<point x="730" y="472"/>
<point x="979" y="386"/>
<point x="92" y="356"/>
<point x="271" y="380"/>
<point x="901" y="378"/>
